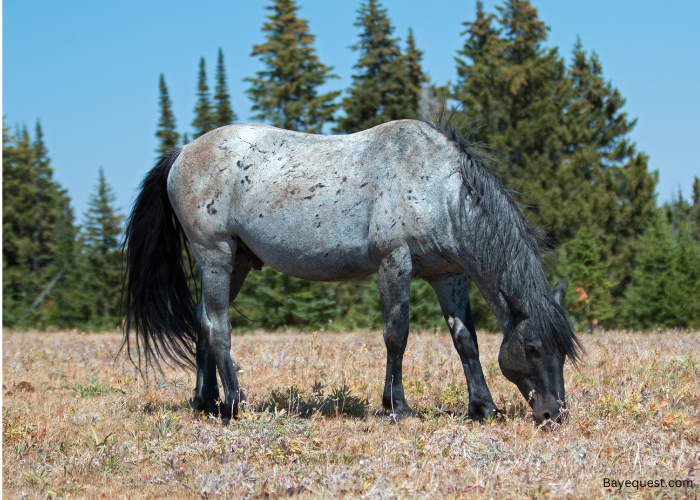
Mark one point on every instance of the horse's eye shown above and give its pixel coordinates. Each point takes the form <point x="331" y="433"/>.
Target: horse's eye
<point x="533" y="350"/>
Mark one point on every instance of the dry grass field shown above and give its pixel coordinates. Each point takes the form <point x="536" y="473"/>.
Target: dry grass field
<point x="78" y="425"/>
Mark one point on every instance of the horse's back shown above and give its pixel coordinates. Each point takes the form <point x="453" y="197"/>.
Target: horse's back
<point x="311" y="205"/>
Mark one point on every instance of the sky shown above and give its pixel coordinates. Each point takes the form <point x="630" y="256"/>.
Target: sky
<point x="89" y="71"/>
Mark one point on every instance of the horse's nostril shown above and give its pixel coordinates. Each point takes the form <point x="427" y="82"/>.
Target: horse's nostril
<point x="546" y="415"/>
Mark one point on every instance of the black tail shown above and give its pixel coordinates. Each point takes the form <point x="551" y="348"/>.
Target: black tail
<point x="159" y="305"/>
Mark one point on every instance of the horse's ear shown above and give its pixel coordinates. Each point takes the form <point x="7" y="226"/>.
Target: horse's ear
<point x="515" y="305"/>
<point x="559" y="291"/>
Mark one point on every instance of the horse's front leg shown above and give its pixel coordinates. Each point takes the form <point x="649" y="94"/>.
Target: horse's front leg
<point x="394" y="287"/>
<point x="453" y="295"/>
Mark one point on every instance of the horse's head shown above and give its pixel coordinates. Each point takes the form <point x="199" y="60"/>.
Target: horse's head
<point x="534" y="360"/>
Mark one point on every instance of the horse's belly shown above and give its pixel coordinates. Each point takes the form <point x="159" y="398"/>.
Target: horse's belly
<point x="312" y="245"/>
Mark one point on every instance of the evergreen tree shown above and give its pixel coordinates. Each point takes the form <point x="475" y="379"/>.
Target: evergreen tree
<point x="286" y="93"/>
<point x="605" y="181"/>
<point x="379" y="92"/>
<point x="658" y="293"/>
<point x="695" y="211"/>
<point x="560" y="133"/>
<point x="100" y="239"/>
<point x="588" y="298"/>
<point x="279" y="301"/>
<point x="36" y="219"/>
<point x="166" y="132"/>
<point x="204" y="119"/>
<point x="683" y="217"/>
<point x="415" y="78"/>
<point x="224" y="114"/>
<point x="688" y="278"/>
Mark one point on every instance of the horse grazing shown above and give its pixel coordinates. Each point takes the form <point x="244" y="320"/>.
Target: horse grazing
<point x="406" y="199"/>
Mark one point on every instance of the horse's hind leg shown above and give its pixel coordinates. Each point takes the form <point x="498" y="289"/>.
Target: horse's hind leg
<point x="394" y="288"/>
<point x="215" y="261"/>
<point x="206" y="393"/>
<point x="453" y="295"/>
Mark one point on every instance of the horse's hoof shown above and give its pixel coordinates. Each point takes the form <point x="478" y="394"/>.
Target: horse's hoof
<point x="198" y="404"/>
<point x="401" y="415"/>
<point x="484" y="412"/>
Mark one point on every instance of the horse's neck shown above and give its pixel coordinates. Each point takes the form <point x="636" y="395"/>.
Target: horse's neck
<point x="516" y="270"/>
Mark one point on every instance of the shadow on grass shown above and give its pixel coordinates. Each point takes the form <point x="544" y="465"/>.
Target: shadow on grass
<point x="337" y="402"/>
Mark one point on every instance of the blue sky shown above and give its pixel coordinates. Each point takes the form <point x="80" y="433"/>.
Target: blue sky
<point x="89" y="70"/>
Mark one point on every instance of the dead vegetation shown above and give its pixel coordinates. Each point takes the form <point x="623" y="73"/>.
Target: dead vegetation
<point x="78" y="425"/>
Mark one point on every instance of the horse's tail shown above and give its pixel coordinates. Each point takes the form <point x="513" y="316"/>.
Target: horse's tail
<point x="159" y="305"/>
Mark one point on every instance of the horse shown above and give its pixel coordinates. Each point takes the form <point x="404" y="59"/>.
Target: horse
<point x="406" y="199"/>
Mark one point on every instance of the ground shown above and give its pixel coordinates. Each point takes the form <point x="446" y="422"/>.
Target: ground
<point x="77" y="424"/>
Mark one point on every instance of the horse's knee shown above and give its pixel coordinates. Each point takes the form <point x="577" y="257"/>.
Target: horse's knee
<point x="219" y="345"/>
<point x="464" y="342"/>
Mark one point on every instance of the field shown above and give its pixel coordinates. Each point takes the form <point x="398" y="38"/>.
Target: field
<point x="78" y="425"/>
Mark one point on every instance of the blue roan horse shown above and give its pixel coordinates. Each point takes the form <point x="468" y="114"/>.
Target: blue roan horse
<point x="405" y="199"/>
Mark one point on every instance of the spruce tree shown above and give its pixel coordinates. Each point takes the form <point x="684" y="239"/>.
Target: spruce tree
<point x="204" y="119"/>
<point x="560" y="134"/>
<point x="654" y="297"/>
<point x="224" y="114"/>
<point x="279" y="301"/>
<point x="285" y="94"/>
<point x="100" y="239"/>
<point x="605" y="182"/>
<point x="695" y="211"/>
<point x="688" y="272"/>
<point x="166" y="133"/>
<point x="588" y="298"/>
<point x="379" y="92"/>
<point x="416" y="78"/>
<point x="36" y="220"/>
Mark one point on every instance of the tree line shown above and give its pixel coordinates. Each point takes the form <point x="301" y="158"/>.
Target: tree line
<point x="557" y="130"/>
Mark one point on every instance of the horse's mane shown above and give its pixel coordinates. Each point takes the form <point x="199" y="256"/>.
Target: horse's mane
<point x="515" y="247"/>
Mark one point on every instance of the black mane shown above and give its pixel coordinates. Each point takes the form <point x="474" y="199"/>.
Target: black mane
<point x="515" y="247"/>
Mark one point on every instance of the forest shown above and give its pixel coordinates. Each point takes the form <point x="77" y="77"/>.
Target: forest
<point x="555" y="127"/>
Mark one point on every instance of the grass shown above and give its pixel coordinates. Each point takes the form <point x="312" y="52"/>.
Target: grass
<point x="78" y="425"/>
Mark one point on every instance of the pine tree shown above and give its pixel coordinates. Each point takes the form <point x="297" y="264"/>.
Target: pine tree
<point x="654" y="297"/>
<point x="560" y="134"/>
<point x="279" y="300"/>
<point x="688" y="273"/>
<point x="204" y="119"/>
<point x="379" y="92"/>
<point x="166" y="133"/>
<point x="36" y="213"/>
<point x="605" y="181"/>
<point x="286" y="93"/>
<point x="695" y="211"/>
<point x="100" y="239"/>
<point x="415" y="78"/>
<point x="588" y="298"/>
<point x="224" y="114"/>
